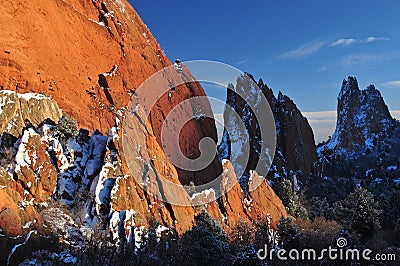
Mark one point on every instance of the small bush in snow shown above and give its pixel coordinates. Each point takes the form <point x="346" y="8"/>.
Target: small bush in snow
<point x="66" y="128"/>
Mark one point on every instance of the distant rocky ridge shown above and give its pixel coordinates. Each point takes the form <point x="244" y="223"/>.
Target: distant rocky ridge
<point x="295" y="153"/>
<point x="366" y="135"/>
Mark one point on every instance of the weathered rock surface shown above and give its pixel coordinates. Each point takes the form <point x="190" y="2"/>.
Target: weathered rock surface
<point x="94" y="169"/>
<point x="144" y="189"/>
<point x="296" y="150"/>
<point x="234" y="206"/>
<point x="34" y="170"/>
<point x="100" y="52"/>
<point x="17" y="215"/>
<point x="19" y="110"/>
<point x="90" y="57"/>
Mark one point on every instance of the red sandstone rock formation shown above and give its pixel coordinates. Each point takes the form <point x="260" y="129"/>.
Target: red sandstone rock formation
<point x="234" y="206"/>
<point x="90" y="57"/>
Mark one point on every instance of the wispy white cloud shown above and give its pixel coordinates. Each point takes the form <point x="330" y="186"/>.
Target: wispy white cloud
<point x="349" y="41"/>
<point x="365" y="59"/>
<point x="392" y="84"/>
<point x="323" y="68"/>
<point x="313" y="47"/>
<point x="242" y="61"/>
<point x="361" y="59"/>
<point x="373" y="39"/>
<point x="343" y="42"/>
<point x="320" y="115"/>
<point x="303" y="51"/>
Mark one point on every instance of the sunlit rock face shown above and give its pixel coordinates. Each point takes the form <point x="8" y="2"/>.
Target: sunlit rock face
<point x="87" y="59"/>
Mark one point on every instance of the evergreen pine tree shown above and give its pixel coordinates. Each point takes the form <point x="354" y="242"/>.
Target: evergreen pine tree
<point x="242" y="235"/>
<point x="204" y="219"/>
<point x="288" y="234"/>
<point x="290" y="199"/>
<point x="247" y="255"/>
<point x="205" y="244"/>
<point x="359" y="211"/>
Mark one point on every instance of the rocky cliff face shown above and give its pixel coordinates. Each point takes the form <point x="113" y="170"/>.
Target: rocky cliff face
<point x="234" y="206"/>
<point x="89" y="175"/>
<point x="364" y="129"/>
<point x="362" y="119"/>
<point x="90" y="57"/>
<point x="295" y="152"/>
<point x="20" y="110"/>
<point x="296" y="146"/>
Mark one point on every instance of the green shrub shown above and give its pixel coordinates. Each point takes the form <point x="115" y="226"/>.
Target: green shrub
<point x="66" y="128"/>
<point x="290" y="198"/>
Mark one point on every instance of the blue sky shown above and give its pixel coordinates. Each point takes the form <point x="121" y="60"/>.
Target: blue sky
<point x="302" y="48"/>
